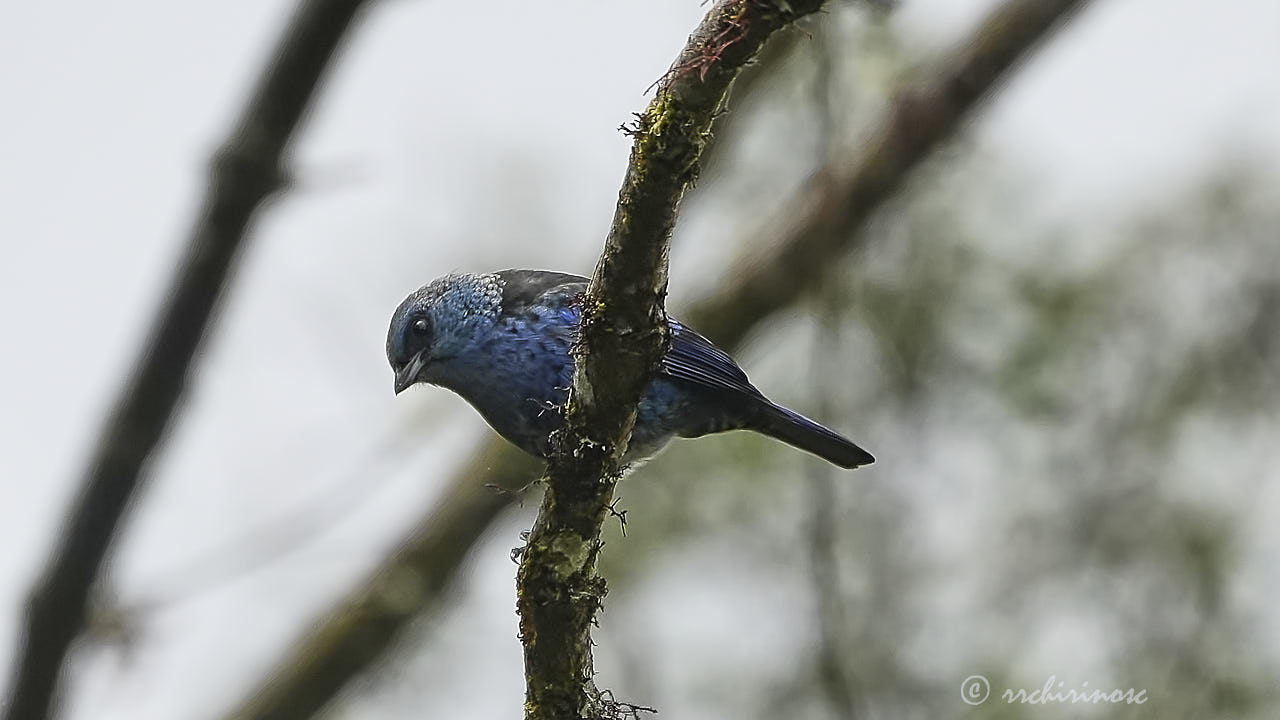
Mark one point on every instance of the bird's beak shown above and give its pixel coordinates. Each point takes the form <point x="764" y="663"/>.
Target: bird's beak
<point x="408" y="373"/>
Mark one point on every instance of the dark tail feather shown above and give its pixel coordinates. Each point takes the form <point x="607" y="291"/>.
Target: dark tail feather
<point x="799" y="431"/>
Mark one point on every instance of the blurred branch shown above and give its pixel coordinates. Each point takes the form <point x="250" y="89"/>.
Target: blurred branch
<point x="824" y="368"/>
<point x="824" y="220"/>
<point x="747" y="94"/>
<point x="279" y="535"/>
<point x="751" y="87"/>
<point x="833" y="676"/>
<point x="321" y="664"/>
<point x="244" y="172"/>
<point x="620" y="343"/>
<point x="412" y="583"/>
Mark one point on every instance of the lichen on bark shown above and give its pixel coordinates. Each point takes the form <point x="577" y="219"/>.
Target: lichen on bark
<point x="622" y="338"/>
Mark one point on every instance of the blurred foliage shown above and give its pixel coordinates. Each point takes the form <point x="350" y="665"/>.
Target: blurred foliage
<point x="1100" y="401"/>
<point x="1072" y="423"/>
<point x="1091" y="379"/>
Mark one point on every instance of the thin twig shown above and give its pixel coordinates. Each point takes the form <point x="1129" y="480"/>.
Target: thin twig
<point x="244" y="172"/>
<point x="824" y="530"/>
<point x="276" y="538"/>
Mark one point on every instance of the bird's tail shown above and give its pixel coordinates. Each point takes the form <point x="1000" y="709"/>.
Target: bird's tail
<point x="799" y="431"/>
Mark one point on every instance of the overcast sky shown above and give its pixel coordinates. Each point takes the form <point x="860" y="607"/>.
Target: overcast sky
<point x="415" y="163"/>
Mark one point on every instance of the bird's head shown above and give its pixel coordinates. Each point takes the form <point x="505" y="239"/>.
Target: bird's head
<point x="439" y="322"/>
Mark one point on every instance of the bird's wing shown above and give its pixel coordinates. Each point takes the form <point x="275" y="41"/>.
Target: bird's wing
<point x="691" y="358"/>
<point x="522" y="289"/>
<point x="694" y="359"/>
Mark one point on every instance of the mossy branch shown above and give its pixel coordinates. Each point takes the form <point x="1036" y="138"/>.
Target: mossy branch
<point x="243" y="173"/>
<point x="622" y="339"/>
<point x="361" y="627"/>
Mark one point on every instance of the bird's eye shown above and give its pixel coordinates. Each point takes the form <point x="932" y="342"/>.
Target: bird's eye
<point x="421" y="327"/>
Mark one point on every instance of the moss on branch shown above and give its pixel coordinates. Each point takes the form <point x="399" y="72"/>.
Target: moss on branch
<point x="622" y="338"/>
<point x="359" y="629"/>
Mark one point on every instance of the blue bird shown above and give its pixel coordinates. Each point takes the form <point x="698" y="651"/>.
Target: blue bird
<point x="502" y="341"/>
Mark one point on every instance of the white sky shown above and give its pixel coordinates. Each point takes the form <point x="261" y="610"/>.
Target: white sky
<point x="112" y="108"/>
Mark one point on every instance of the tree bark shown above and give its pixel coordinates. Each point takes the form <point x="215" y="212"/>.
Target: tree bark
<point x="621" y="340"/>
<point x="435" y="550"/>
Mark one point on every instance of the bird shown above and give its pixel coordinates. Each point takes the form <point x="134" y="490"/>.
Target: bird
<point x="503" y="341"/>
